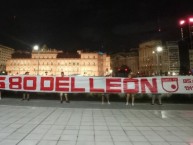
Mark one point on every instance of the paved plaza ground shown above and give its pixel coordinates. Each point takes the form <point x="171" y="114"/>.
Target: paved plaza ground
<point x="48" y="122"/>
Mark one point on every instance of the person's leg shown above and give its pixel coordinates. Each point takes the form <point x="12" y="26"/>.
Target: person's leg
<point x="107" y="97"/>
<point x="27" y="96"/>
<point x="0" y="95"/>
<point x="160" y="99"/>
<point x="133" y="99"/>
<point x="66" y="97"/>
<point x="23" y="96"/>
<point x="61" y="97"/>
<point x="153" y="99"/>
<point x="103" y="97"/>
<point x="127" y="99"/>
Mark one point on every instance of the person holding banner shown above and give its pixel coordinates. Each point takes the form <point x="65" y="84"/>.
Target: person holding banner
<point x="128" y="95"/>
<point x="25" y="94"/>
<point x="105" y="95"/>
<point x="66" y="97"/>
<point x="132" y="99"/>
<point x="63" y="94"/>
<point x="156" y="96"/>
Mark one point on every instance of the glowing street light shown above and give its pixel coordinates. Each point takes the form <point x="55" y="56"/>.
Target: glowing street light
<point x="191" y="20"/>
<point x="182" y="23"/>
<point x="159" y="49"/>
<point x="186" y="23"/>
<point x="190" y="30"/>
<point x="36" y="47"/>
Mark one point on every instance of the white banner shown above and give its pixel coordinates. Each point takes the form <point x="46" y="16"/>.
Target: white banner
<point x="165" y="84"/>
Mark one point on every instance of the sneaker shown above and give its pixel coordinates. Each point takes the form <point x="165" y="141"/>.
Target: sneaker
<point x="109" y="103"/>
<point x="152" y="103"/>
<point x="160" y="103"/>
<point x="102" y="102"/>
<point x="132" y="104"/>
<point x="67" y="101"/>
<point x="61" y="101"/>
<point x="127" y="103"/>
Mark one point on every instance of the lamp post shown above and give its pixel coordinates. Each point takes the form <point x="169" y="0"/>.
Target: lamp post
<point x="36" y="47"/>
<point x="190" y="31"/>
<point x="186" y="29"/>
<point x="157" y="51"/>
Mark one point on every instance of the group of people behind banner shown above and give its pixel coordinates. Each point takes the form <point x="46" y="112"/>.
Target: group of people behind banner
<point x="105" y="96"/>
<point x="26" y="95"/>
<point x="154" y="96"/>
<point x="132" y="96"/>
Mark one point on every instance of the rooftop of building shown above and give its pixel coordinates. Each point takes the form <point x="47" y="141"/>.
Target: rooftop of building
<point x="21" y="54"/>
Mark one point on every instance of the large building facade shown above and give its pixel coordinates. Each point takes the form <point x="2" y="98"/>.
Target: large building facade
<point x="163" y="62"/>
<point x="129" y="59"/>
<point x="153" y="61"/>
<point x="5" y="54"/>
<point x="150" y="63"/>
<point x="53" y="62"/>
<point x="173" y="61"/>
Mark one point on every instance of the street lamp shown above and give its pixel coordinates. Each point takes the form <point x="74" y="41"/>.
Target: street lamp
<point x="182" y="23"/>
<point x="190" y="30"/>
<point x="186" y="29"/>
<point x="36" y="47"/>
<point x="157" y="51"/>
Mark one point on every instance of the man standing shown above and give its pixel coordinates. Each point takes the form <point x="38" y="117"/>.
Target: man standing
<point x="25" y="94"/>
<point x="128" y="95"/>
<point x="105" y="95"/>
<point x="159" y="96"/>
<point x="63" y="94"/>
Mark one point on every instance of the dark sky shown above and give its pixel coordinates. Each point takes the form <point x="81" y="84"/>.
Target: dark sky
<point x="90" y="24"/>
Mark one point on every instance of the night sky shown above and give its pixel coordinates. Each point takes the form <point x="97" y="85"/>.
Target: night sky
<point x="108" y="26"/>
